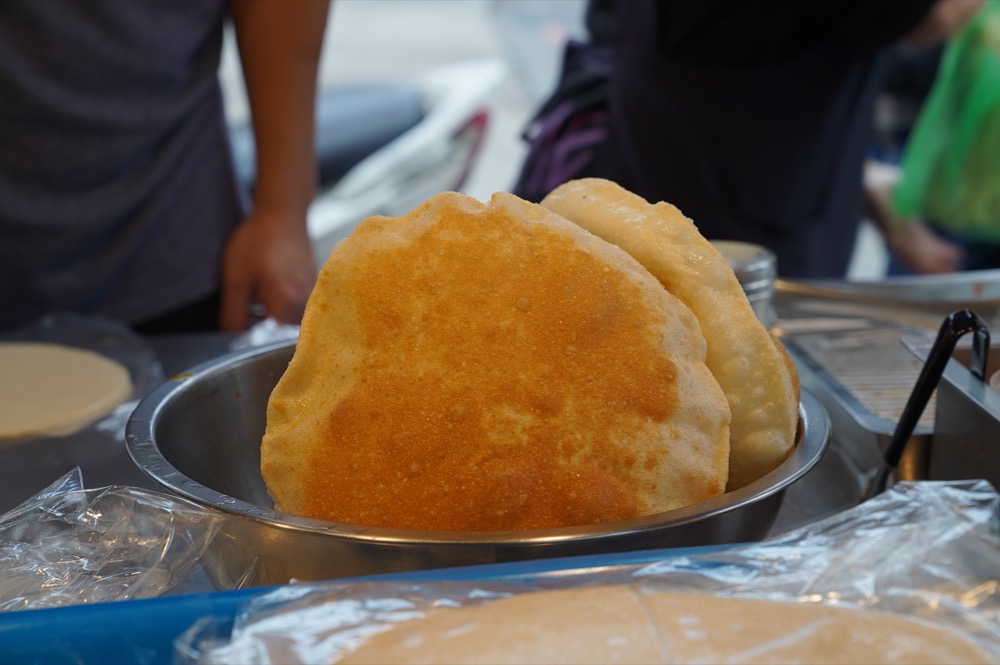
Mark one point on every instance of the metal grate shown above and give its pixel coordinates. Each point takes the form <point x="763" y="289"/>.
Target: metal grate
<point x="871" y="364"/>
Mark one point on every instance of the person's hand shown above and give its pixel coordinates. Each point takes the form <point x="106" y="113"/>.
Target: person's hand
<point x="909" y="240"/>
<point x="922" y="250"/>
<point x="267" y="260"/>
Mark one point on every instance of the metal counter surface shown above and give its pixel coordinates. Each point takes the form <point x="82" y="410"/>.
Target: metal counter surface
<point x="30" y="466"/>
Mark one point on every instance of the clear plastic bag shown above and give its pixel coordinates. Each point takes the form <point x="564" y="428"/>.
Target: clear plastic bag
<point x="927" y="550"/>
<point x="68" y="545"/>
<point x="268" y="331"/>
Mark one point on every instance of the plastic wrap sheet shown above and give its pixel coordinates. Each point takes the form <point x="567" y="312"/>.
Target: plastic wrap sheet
<point x="68" y="545"/>
<point x="923" y="549"/>
<point x="266" y="332"/>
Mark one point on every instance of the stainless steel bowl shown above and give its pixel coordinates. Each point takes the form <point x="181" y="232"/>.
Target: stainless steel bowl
<point x="199" y="436"/>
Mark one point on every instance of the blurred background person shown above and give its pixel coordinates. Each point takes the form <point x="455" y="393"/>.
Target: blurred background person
<point x="751" y="118"/>
<point x="944" y="214"/>
<point x="118" y="195"/>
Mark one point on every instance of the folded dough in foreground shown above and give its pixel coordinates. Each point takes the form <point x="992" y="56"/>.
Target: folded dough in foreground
<point x="473" y="366"/>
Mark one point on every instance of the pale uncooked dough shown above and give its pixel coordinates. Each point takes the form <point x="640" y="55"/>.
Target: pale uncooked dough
<point x="624" y="624"/>
<point x="51" y="389"/>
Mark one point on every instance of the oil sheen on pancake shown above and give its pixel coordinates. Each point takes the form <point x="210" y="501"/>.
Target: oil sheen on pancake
<point x="486" y="367"/>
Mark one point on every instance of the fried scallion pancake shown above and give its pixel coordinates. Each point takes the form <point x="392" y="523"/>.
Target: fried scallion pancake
<point x="472" y="366"/>
<point x="750" y="365"/>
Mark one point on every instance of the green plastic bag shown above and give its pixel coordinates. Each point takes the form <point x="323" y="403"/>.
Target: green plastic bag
<point x="951" y="163"/>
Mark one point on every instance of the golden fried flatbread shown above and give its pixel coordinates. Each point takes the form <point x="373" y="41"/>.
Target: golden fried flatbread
<point x="475" y="366"/>
<point x="625" y="624"/>
<point x="748" y="362"/>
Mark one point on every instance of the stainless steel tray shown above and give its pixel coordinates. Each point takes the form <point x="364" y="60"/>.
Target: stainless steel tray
<point x="199" y="437"/>
<point x="852" y="342"/>
<point x="966" y="441"/>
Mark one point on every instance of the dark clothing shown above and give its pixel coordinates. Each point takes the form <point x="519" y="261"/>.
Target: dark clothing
<point x="201" y="316"/>
<point x="117" y="191"/>
<point x="751" y="117"/>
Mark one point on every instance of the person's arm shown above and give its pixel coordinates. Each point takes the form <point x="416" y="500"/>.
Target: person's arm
<point x="944" y="19"/>
<point x="269" y="259"/>
<point x="909" y="240"/>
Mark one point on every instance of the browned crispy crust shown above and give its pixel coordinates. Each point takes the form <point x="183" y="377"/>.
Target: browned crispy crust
<point x="793" y="371"/>
<point x="490" y="367"/>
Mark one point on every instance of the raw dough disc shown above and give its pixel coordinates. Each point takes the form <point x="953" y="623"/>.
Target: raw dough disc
<point x="625" y="624"/>
<point x="50" y="389"/>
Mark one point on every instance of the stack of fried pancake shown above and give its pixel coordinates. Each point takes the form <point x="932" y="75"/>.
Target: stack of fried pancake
<point x="495" y="366"/>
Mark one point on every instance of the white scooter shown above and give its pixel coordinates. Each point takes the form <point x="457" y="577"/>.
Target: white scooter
<point x="382" y="148"/>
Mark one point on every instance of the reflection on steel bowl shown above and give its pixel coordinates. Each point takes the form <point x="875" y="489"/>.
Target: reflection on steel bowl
<point x="199" y="436"/>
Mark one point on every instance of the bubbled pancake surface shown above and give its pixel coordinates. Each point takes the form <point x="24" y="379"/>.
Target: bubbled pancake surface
<point x="475" y="366"/>
<point x="752" y="367"/>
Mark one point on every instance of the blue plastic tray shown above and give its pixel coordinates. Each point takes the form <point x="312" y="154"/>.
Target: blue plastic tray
<point x="143" y="631"/>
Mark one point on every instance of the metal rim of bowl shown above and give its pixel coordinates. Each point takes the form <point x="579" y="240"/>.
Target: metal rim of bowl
<point x="140" y="440"/>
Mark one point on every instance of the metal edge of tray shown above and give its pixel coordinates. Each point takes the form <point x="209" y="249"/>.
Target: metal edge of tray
<point x="859" y="436"/>
<point x="826" y="387"/>
<point x="974" y="288"/>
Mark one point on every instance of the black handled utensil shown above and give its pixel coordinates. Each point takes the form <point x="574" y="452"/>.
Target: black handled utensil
<point x="954" y="327"/>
